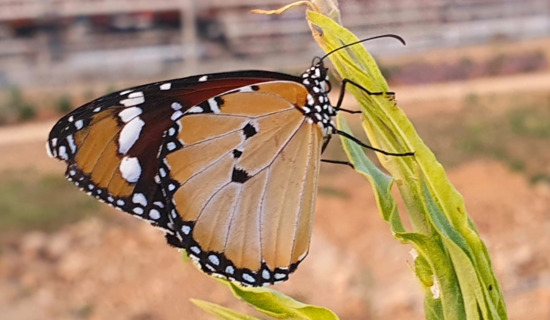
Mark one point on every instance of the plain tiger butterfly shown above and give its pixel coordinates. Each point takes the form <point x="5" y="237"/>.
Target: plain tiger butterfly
<point x="226" y="164"/>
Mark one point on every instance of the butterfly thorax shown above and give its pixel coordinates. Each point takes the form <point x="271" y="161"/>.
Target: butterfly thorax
<point x="318" y="108"/>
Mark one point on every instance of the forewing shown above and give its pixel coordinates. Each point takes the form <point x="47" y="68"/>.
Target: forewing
<point x="111" y="145"/>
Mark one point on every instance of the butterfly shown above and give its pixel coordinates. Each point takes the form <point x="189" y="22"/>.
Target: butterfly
<point x="226" y="164"/>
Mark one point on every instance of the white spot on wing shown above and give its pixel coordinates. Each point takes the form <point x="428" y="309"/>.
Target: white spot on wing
<point x="203" y="78"/>
<point x="215" y="260"/>
<point x="248" y="278"/>
<point x="165" y="86"/>
<point x="133" y="99"/>
<point x="154" y="214"/>
<point x="246" y="89"/>
<point x="176" y="115"/>
<point x="214" y="106"/>
<point x="162" y="172"/>
<point x="63" y="153"/>
<point x="195" y="249"/>
<point x="176" y="106"/>
<point x="129" y="135"/>
<point x="171" y="146"/>
<point x="139" y="198"/>
<point x="72" y="146"/>
<point x="135" y="94"/>
<point x="130" y="169"/>
<point x="79" y="124"/>
<point x="280" y="276"/>
<point x="128" y="114"/>
<point x="195" y="109"/>
<point x="186" y="229"/>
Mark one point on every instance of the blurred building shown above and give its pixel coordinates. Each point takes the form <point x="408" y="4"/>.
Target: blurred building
<point x="59" y="41"/>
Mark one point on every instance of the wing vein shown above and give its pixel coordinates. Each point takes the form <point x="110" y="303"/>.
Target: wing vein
<point x="280" y="149"/>
<point x="235" y="206"/>
<point x="261" y="209"/>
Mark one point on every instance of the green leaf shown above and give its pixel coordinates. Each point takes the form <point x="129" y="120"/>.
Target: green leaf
<point x="380" y="181"/>
<point x="278" y="305"/>
<point x="221" y="312"/>
<point x="453" y="264"/>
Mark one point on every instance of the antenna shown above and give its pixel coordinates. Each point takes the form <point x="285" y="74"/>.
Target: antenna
<point x="389" y="35"/>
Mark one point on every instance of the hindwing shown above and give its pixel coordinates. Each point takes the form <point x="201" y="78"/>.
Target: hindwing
<point x="241" y="180"/>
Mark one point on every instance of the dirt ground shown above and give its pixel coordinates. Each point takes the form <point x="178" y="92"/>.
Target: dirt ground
<point x="121" y="268"/>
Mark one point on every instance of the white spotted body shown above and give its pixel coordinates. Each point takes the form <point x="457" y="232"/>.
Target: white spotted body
<point x="318" y="107"/>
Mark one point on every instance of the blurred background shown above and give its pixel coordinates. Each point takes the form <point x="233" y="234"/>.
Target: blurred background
<point x="474" y="79"/>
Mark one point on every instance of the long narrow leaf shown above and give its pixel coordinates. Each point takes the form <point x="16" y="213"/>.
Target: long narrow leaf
<point x="221" y="312"/>
<point x="451" y="253"/>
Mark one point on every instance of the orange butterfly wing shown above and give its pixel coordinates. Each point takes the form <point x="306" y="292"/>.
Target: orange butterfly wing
<point x="111" y="144"/>
<point x="243" y="183"/>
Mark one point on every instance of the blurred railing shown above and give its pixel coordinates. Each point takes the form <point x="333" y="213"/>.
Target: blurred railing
<point x="259" y="39"/>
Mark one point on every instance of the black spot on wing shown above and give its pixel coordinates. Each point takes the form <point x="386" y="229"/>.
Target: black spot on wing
<point x="249" y="130"/>
<point x="212" y="105"/>
<point x="239" y="175"/>
<point x="237" y="153"/>
<point x="219" y="101"/>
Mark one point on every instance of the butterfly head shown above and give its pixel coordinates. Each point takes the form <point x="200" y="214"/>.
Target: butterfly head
<point x="318" y="74"/>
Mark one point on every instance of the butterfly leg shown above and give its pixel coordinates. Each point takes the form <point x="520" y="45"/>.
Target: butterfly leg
<point x="347" y="163"/>
<point x="352" y="138"/>
<point x="325" y="143"/>
<point x="349" y="111"/>
<point x="338" y="105"/>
